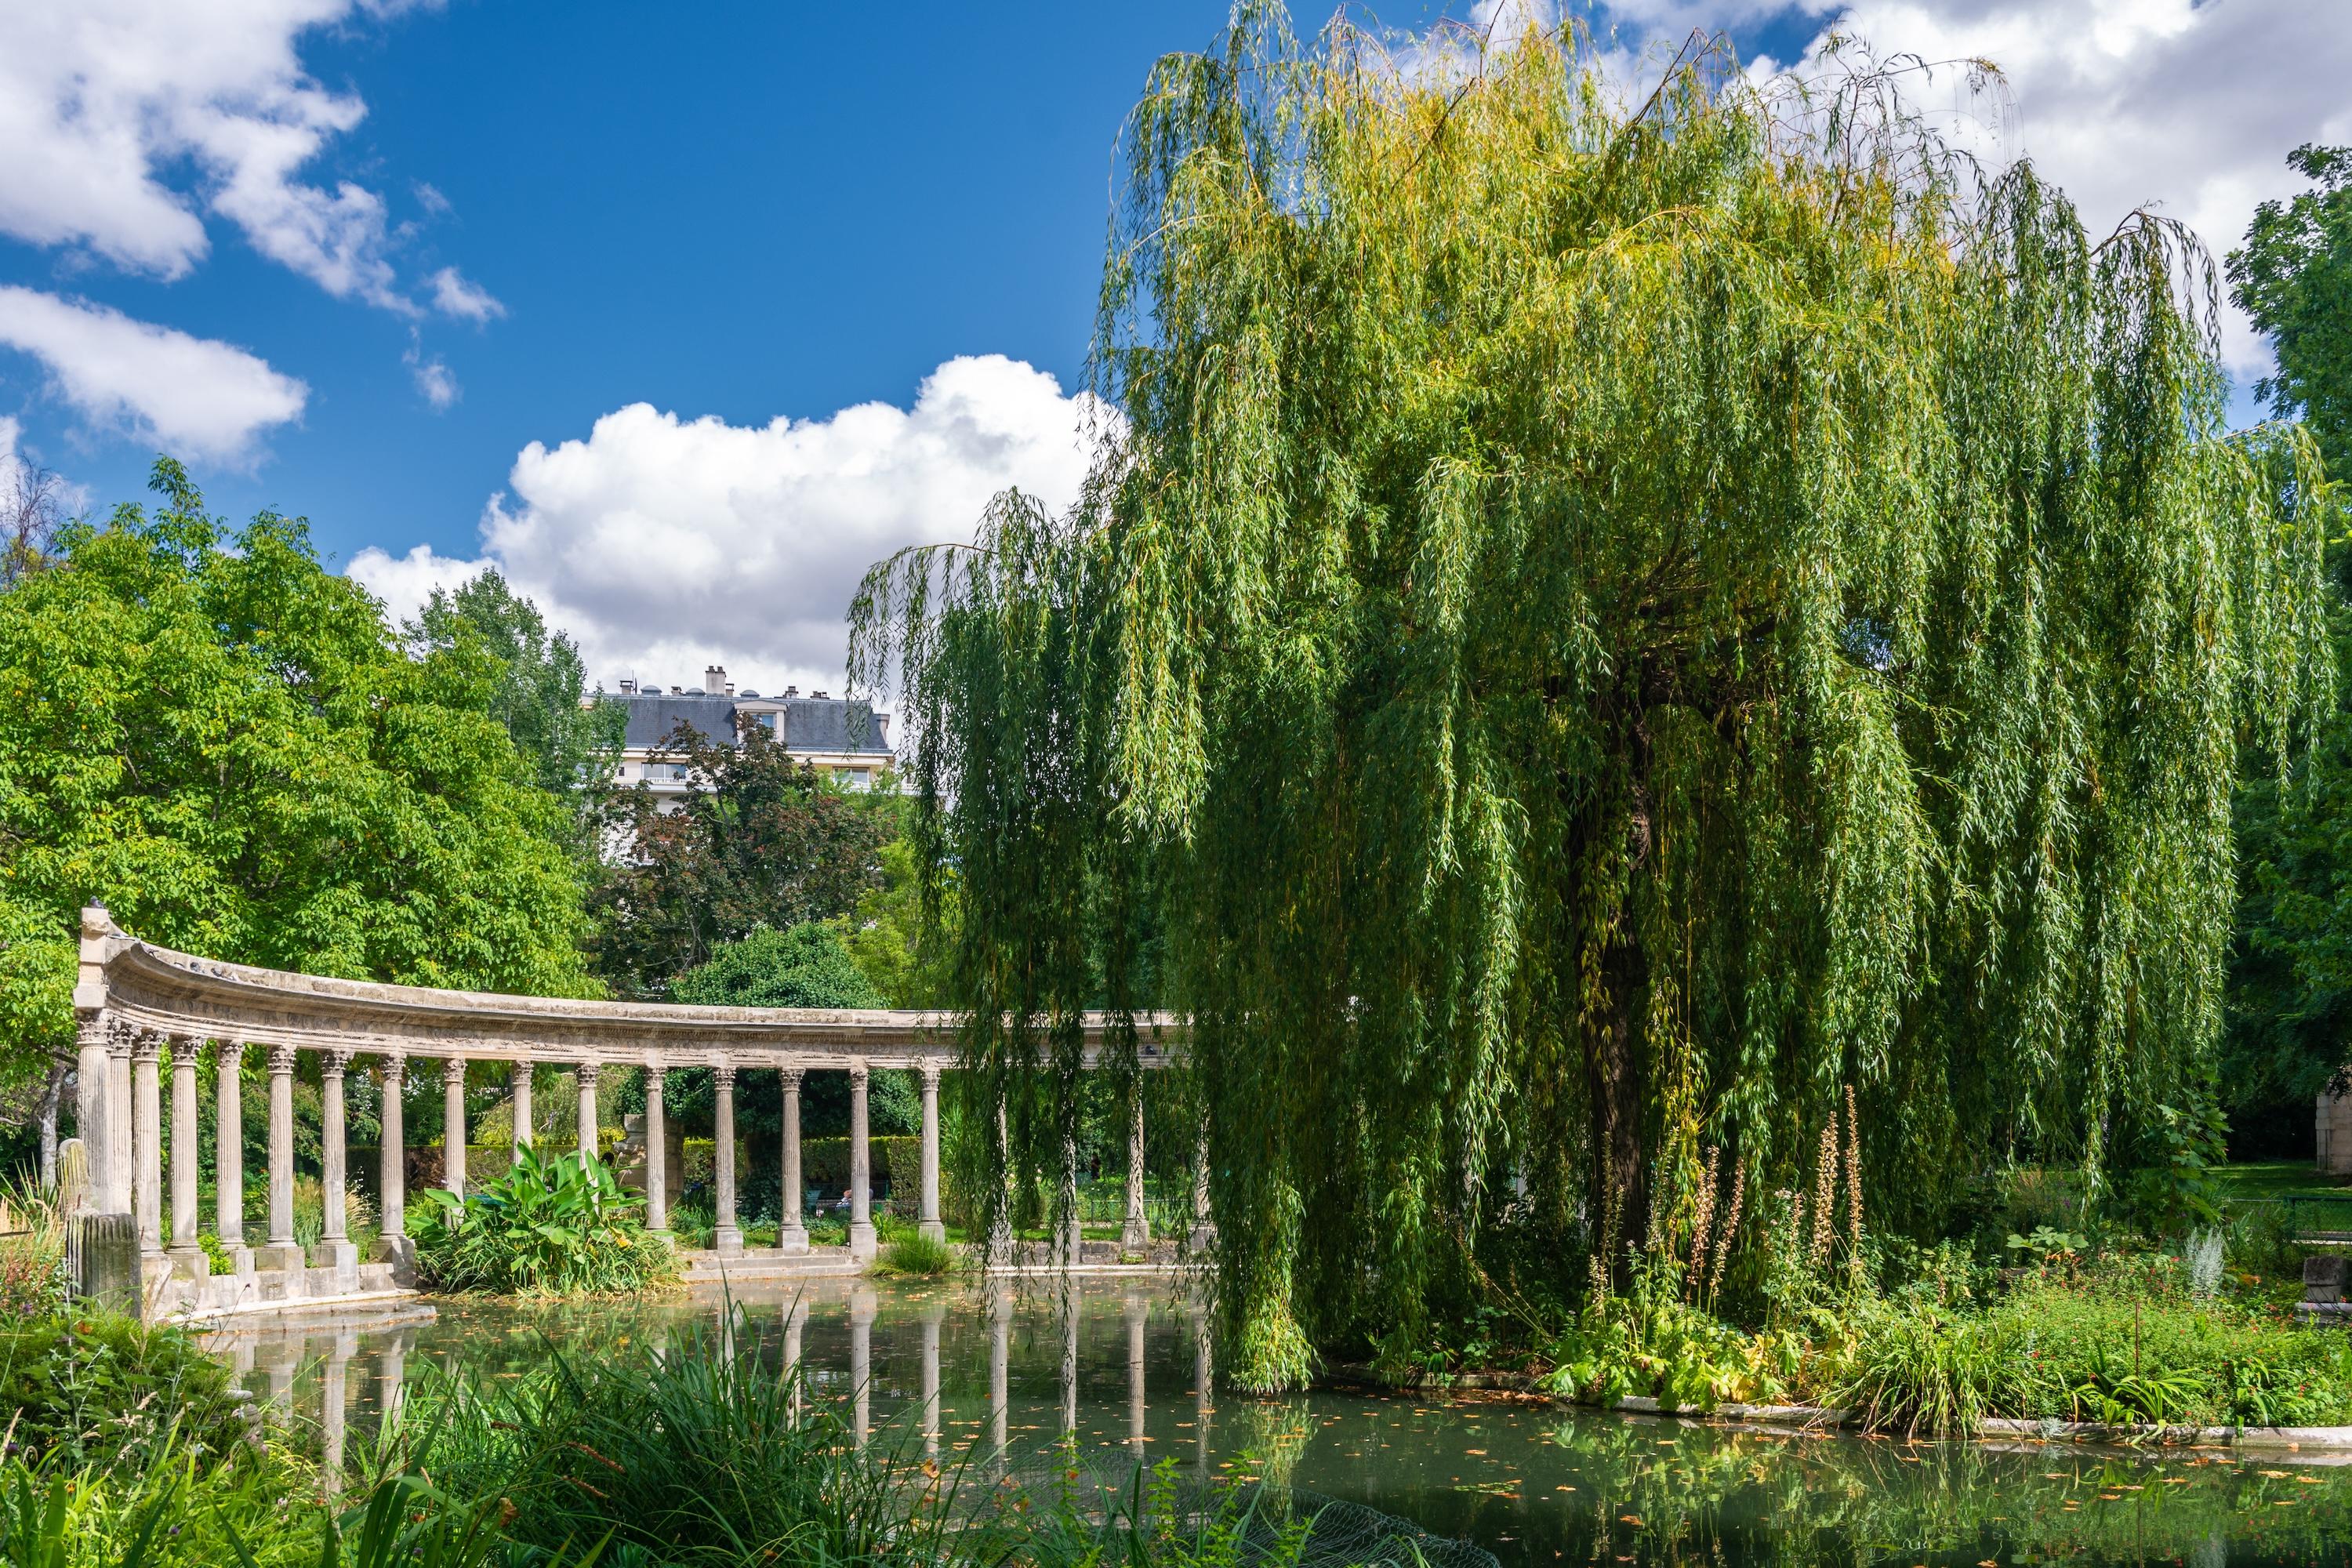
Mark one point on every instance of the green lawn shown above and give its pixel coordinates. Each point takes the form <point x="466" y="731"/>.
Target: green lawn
<point x="2279" y="1179"/>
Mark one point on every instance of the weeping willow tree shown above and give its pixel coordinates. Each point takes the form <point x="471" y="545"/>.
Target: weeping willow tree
<point x="1593" y="627"/>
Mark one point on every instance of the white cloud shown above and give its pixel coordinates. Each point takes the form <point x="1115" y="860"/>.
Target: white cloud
<point x="434" y="379"/>
<point x="123" y="122"/>
<point x="453" y="295"/>
<point x="664" y="544"/>
<point x="191" y="396"/>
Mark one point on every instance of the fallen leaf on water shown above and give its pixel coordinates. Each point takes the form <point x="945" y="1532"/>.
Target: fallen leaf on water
<point x="1633" y="1518"/>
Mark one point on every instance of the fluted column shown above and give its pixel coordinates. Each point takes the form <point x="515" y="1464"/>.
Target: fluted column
<point x="335" y="1248"/>
<point x="521" y="1095"/>
<point x="93" y="1031"/>
<point x="147" y="1135"/>
<point x="453" y="1125"/>
<point x="657" y="1150"/>
<point x="726" y="1239"/>
<point x="1203" y="1227"/>
<point x="861" y="1170"/>
<point x="931" y="1226"/>
<point x="228" y="1153"/>
<point x="279" y="1251"/>
<point x="187" y="1255"/>
<point x="792" y="1234"/>
<point x="588" y="1074"/>
<point x="120" y="1156"/>
<point x="1135" y="1235"/>
<point x="392" y="1243"/>
<point x="1074" y="1247"/>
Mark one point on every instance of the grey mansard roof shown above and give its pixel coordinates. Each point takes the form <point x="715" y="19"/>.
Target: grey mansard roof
<point x="810" y="724"/>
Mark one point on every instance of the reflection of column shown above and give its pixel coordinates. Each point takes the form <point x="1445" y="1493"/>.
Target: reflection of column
<point x="334" y="1240"/>
<point x="521" y="1079"/>
<point x="792" y="1232"/>
<point x="657" y="1150"/>
<point x="453" y="1125"/>
<point x="725" y="1236"/>
<point x="588" y="1075"/>
<point x="392" y="1372"/>
<point x="930" y="1225"/>
<point x="281" y="1372"/>
<point x="1070" y="1356"/>
<point x="1135" y="1314"/>
<point x="97" y="1135"/>
<point x="1000" y="1362"/>
<point x="228" y="1156"/>
<point x="1137" y="1234"/>
<point x="1203" y="1383"/>
<point x="147" y="1138"/>
<point x="795" y="1312"/>
<point x="280" y="1251"/>
<point x="931" y="1316"/>
<point x="187" y="1258"/>
<point x="861" y="1170"/>
<point x="862" y="1303"/>
<point x="392" y="1168"/>
<point x="333" y="1392"/>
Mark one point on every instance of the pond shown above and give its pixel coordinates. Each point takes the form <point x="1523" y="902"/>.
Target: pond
<point x="996" y="1380"/>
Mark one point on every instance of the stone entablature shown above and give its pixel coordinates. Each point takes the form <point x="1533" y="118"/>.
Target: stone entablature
<point x="139" y="1006"/>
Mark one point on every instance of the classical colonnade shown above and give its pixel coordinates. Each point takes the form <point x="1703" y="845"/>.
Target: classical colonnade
<point x="139" y="1006"/>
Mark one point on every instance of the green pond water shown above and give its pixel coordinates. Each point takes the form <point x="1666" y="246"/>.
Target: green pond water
<point x="994" y="1382"/>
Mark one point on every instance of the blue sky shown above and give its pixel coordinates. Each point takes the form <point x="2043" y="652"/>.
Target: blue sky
<point x="730" y="213"/>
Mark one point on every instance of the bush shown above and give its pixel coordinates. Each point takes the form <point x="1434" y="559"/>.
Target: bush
<point x="91" y="1387"/>
<point x="32" y="1254"/>
<point x="558" y="1226"/>
<point x="916" y="1254"/>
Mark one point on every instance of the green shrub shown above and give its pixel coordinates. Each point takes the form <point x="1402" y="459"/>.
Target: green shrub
<point x="556" y="1227"/>
<point x="1926" y="1366"/>
<point x="90" y="1386"/>
<point x="916" y="1254"/>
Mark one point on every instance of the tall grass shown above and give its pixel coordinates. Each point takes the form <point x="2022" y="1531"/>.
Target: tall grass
<point x="915" y="1255"/>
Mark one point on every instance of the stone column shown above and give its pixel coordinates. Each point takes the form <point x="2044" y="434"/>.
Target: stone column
<point x="656" y="1150"/>
<point x="123" y="1135"/>
<point x="792" y="1234"/>
<point x="1203" y="1228"/>
<point x="861" y="1171"/>
<point x="392" y="1243"/>
<point x="279" y="1251"/>
<point x="335" y="1248"/>
<point x="1073" y="1246"/>
<point x="521" y="1072"/>
<point x="188" y="1259"/>
<point x="91" y="1074"/>
<point x="1135" y="1234"/>
<point x="147" y="1138"/>
<point x="588" y="1073"/>
<point x="726" y="1239"/>
<point x="931" y="1226"/>
<point x="862" y="1304"/>
<point x="453" y="1125"/>
<point x="228" y="1153"/>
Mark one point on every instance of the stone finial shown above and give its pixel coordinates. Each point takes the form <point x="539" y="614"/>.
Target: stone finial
<point x="281" y="1058"/>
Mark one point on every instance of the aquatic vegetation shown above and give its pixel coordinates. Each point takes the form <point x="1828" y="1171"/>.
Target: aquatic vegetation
<point x="556" y="1226"/>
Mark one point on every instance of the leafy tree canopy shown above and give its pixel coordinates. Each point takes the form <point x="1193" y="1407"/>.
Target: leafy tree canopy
<point x="2293" y="277"/>
<point x="1599" y="629"/>
<point x="540" y="689"/>
<point x="763" y="841"/>
<point x="219" y="739"/>
<point x="803" y="966"/>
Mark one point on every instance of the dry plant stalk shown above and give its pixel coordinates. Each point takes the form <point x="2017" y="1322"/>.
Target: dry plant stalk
<point x="1826" y="1194"/>
<point x="1731" y="1225"/>
<point x="1852" y="1177"/>
<point x="1704" y="1219"/>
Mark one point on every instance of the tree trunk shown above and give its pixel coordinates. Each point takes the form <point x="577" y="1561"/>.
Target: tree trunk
<point x="51" y="1094"/>
<point x="1619" y="1183"/>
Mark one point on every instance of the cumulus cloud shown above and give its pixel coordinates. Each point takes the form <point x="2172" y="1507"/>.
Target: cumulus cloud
<point x="192" y="396"/>
<point x="124" y="121"/>
<point x="434" y="382"/>
<point x="664" y="544"/>
<point x="455" y="295"/>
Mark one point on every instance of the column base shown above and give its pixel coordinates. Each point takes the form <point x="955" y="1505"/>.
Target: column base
<point x="862" y="1246"/>
<point x="399" y="1251"/>
<point x="792" y="1240"/>
<point x="189" y="1262"/>
<point x="1136" y="1237"/>
<point x="240" y="1257"/>
<point x="932" y="1230"/>
<point x="1203" y="1237"/>
<point x="280" y="1255"/>
<point x="727" y="1241"/>
<point x="342" y="1255"/>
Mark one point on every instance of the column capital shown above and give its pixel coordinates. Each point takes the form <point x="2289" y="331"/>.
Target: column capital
<point x="185" y="1049"/>
<point x="589" y="1072"/>
<point x="232" y="1054"/>
<point x="334" y="1061"/>
<point x="147" y="1046"/>
<point x="393" y="1067"/>
<point x="791" y="1079"/>
<point x="281" y="1058"/>
<point x="119" y="1035"/>
<point x="92" y="1028"/>
<point x="859" y="1073"/>
<point x="453" y="1072"/>
<point x="930" y="1074"/>
<point x="655" y="1064"/>
<point x="724" y="1073"/>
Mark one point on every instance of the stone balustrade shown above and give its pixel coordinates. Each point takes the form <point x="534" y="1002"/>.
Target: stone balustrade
<point x="138" y="1004"/>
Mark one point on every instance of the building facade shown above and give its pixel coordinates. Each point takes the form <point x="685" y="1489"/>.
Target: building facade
<point x="842" y="738"/>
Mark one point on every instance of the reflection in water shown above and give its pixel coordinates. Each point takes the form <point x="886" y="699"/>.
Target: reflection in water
<point x="1013" y="1381"/>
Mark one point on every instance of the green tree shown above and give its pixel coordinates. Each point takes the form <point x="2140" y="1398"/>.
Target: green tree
<point x="763" y="841"/>
<point x="542" y="690"/>
<point x="2291" y="974"/>
<point x="221" y="740"/>
<point x="905" y="956"/>
<point x="1598" y="629"/>
<point x="803" y="966"/>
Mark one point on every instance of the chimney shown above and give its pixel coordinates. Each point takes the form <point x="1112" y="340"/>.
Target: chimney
<point x="730" y="688"/>
<point x="792" y="692"/>
<point x="628" y="686"/>
<point x="714" y="679"/>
